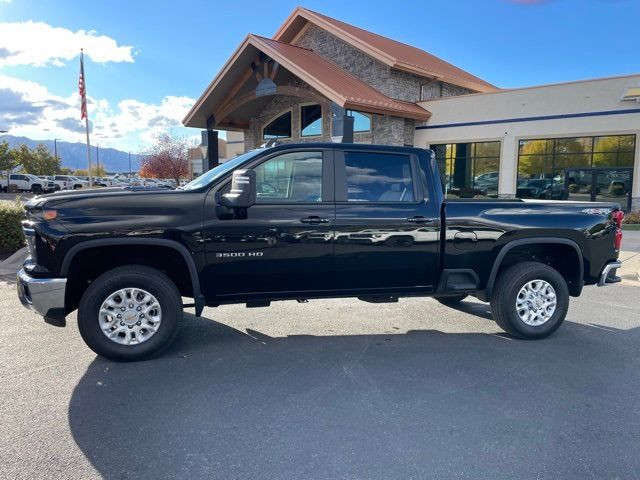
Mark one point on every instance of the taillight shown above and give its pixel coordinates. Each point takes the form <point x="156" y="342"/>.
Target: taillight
<point x="617" y="217"/>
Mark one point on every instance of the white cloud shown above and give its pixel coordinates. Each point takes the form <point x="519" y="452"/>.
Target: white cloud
<point x="30" y="109"/>
<point x="39" y="44"/>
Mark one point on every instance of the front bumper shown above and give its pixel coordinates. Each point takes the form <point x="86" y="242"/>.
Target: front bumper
<point x="44" y="296"/>
<point x="608" y="274"/>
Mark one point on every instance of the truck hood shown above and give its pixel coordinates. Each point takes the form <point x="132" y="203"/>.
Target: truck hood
<point x="102" y="196"/>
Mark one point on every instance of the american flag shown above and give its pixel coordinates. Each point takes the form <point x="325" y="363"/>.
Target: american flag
<point x="81" y="88"/>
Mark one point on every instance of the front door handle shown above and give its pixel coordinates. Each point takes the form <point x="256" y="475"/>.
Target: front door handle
<point x="314" y="220"/>
<point x="419" y="219"/>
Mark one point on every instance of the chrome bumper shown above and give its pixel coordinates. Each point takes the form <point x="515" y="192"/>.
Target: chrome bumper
<point x="609" y="268"/>
<point x="44" y="296"/>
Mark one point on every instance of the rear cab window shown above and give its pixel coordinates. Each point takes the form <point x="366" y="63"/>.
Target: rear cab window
<point x="378" y="177"/>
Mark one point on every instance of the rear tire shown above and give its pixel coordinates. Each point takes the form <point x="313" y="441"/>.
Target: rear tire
<point x="452" y="301"/>
<point x="530" y="300"/>
<point x="131" y="341"/>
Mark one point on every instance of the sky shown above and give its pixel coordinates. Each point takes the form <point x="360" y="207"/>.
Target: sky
<point x="147" y="62"/>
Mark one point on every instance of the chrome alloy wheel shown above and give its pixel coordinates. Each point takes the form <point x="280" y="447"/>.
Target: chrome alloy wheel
<point x="536" y="302"/>
<point x="130" y="316"/>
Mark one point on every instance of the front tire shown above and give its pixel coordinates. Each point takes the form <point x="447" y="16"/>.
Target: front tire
<point x="530" y="300"/>
<point x="130" y="313"/>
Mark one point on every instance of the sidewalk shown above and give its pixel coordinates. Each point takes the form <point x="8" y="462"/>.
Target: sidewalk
<point x="11" y="265"/>
<point x="630" y="271"/>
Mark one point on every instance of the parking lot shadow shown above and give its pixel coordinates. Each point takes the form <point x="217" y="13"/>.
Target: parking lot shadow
<point x="223" y="403"/>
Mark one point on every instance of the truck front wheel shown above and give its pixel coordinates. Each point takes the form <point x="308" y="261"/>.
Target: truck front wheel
<point x="130" y="313"/>
<point x="530" y="300"/>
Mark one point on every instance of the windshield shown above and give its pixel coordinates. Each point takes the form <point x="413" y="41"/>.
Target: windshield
<point x="220" y="170"/>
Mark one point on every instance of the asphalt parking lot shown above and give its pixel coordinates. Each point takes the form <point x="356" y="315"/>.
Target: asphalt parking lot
<point x="329" y="389"/>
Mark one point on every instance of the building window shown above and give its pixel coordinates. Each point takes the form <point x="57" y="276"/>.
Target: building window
<point x="310" y="120"/>
<point x="469" y="169"/>
<point x="378" y="177"/>
<point x="542" y="162"/>
<point x="361" y="121"/>
<point x="280" y="127"/>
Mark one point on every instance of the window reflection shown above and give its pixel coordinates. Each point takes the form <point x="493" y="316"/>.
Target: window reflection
<point x="469" y="169"/>
<point x="361" y="121"/>
<point x="542" y="162"/>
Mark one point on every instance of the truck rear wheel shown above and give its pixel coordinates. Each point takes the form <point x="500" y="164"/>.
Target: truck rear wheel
<point x="530" y="300"/>
<point x="130" y="313"/>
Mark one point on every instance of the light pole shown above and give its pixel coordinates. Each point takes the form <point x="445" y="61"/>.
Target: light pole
<point x="129" y="165"/>
<point x="98" y="160"/>
<point x="55" y="147"/>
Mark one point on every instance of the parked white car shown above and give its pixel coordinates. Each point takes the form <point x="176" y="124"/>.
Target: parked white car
<point x="59" y="184"/>
<point x="26" y="182"/>
<point x="73" y="183"/>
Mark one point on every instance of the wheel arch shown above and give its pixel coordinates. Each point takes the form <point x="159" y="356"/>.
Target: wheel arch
<point x="512" y="246"/>
<point x="180" y="250"/>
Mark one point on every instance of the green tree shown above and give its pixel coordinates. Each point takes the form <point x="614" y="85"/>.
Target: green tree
<point x="37" y="161"/>
<point x="7" y="159"/>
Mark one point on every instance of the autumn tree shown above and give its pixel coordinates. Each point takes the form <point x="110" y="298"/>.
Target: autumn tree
<point x="36" y="161"/>
<point x="95" y="171"/>
<point x="166" y="158"/>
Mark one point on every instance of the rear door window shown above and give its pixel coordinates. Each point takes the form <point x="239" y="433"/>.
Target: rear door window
<point x="378" y="177"/>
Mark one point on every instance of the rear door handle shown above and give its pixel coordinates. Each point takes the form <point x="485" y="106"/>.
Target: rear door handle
<point x="314" y="220"/>
<point x="419" y="219"/>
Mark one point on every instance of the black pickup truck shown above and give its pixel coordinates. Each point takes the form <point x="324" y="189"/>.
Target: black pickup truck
<point x="296" y="222"/>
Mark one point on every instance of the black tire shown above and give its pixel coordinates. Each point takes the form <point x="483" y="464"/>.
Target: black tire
<point x="136" y="276"/>
<point x="77" y="187"/>
<point x="36" y="189"/>
<point x="452" y="301"/>
<point x="505" y="293"/>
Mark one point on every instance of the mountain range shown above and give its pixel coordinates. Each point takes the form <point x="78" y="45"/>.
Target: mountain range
<point x="74" y="155"/>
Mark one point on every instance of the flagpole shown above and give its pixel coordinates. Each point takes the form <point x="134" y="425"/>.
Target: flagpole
<point x="86" y="117"/>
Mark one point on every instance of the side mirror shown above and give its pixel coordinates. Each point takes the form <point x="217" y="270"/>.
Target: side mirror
<point x="243" y="190"/>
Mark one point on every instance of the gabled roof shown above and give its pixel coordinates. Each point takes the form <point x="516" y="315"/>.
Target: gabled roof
<point x="320" y="73"/>
<point x="390" y="52"/>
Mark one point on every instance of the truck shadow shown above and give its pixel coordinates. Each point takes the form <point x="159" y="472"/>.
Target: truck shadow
<point x="223" y="403"/>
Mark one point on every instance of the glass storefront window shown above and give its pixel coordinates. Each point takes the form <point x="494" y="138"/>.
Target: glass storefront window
<point x="469" y="169"/>
<point x="540" y="159"/>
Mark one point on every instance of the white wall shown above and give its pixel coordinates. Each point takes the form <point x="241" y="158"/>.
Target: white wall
<point x="601" y="95"/>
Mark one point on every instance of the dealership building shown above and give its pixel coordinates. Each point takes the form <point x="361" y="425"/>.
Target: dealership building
<point x="575" y="141"/>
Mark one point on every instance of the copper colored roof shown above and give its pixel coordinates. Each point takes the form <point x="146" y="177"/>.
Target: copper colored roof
<point x="334" y="82"/>
<point x="395" y="54"/>
<point x="321" y="74"/>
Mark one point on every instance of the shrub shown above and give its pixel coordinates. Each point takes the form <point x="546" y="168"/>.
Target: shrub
<point x="632" y="218"/>
<point x="11" y="236"/>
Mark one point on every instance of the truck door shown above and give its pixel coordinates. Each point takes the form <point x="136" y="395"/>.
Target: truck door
<point x="285" y="243"/>
<point x="387" y="227"/>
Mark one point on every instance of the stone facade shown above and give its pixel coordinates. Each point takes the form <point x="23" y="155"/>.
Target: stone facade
<point x="385" y="129"/>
